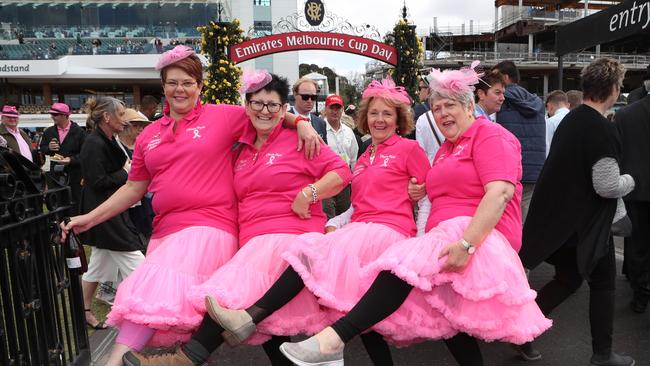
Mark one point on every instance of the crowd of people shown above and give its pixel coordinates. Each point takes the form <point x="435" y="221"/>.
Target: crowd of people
<point x="264" y="221"/>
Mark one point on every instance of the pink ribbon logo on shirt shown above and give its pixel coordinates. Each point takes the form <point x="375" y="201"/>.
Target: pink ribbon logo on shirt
<point x="272" y="157"/>
<point x="386" y="158"/>
<point x="196" y="131"/>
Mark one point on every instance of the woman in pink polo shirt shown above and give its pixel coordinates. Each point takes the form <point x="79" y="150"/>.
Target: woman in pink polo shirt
<point x="462" y="279"/>
<point x="274" y="185"/>
<point x="185" y="160"/>
<point x="330" y="265"/>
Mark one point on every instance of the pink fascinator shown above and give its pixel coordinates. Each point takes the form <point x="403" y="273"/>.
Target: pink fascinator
<point x="387" y="89"/>
<point x="253" y="81"/>
<point x="174" y="55"/>
<point x="454" y="82"/>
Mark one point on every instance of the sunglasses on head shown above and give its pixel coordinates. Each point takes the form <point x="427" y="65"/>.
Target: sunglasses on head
<point x="308" y="96"/>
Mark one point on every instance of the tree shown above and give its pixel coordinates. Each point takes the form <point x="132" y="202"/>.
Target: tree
<point x="409" y="56"/>
<point x="221" y="84"/>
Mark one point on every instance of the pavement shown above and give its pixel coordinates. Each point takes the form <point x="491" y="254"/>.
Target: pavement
<point x="567" y="343"/>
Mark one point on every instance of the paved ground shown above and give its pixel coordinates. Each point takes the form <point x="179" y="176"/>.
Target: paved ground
<point x="567" y="343"/>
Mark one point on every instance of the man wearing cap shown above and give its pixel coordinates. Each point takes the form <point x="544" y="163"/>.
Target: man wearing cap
<point x="305" y="93"/>
<point x="342" y="141"/>
<point x="65" y="139"/>
<point x="640" y="92"/>
<point x="17" y="140"/>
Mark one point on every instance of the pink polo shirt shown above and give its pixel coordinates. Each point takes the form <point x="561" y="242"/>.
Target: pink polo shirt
<point x="379" y="189"/>
<point x="486" y="152"/>
<point x="268" y="180"/>
<point x="190" y="168"/>
<point x="63" y="132"/>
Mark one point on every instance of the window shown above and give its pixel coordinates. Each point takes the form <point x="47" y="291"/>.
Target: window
<point x="261" y="2"/>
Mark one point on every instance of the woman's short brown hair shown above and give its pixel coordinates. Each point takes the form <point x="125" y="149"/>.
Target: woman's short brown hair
<point x="404" y="116"/>
<point x="600" y="77"/>
<point x="191" y="65"/>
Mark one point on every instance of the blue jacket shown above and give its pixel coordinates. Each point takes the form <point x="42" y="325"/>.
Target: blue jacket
<point x="522" y="113"/>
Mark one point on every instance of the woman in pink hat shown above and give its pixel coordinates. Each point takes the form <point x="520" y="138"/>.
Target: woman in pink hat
<point x="463" y="279"/>
<point x="329" y="266"/>
<point x="185" y="160"/>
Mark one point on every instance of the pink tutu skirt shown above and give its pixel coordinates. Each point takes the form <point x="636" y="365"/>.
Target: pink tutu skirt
<point x="248" y="275"/>
<point x="155" y="294"/>
<point x="330" y="265"/>
<point x="490" y="299"/>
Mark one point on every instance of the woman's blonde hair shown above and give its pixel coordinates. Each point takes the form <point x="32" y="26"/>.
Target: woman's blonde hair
<point x="95" y="107"/>
<point x="404" y="115"/>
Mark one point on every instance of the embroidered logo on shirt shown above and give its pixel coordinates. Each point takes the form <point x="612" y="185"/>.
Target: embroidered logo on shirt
<point x="241" y="164"/>
<point x="196" y="131"/>
<point x="459" y="149"/>
<point x="386" y="158"/>
<point x="155" y="141"/>
<point x="272" y="157"/>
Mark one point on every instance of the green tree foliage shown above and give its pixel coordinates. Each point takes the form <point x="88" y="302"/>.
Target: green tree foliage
<point x="221" y="84"/>
<point x="409" y="54"/>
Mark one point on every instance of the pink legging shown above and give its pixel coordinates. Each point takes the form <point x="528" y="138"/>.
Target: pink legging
<point x="135" y="336"/>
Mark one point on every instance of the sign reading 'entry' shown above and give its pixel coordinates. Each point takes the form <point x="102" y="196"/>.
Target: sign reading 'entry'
<point x="297" y="41"/>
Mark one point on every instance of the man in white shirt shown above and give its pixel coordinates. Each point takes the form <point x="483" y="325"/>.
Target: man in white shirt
<point x="428" y="135"/>
<point x="341" y="139"/>
<point x="557" y="106"/>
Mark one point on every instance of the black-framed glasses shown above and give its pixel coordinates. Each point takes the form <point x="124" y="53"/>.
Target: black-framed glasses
<point x="306" y="97"/>
<point x="258" y="106"/>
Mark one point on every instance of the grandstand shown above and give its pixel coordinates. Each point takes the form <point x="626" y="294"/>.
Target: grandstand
<point x="64" y="50"/>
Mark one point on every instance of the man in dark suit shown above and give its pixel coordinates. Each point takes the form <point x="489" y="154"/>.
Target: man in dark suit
<point x="640" y="92"/>
<point x="305" y="92"/>
<point x="65" y="139"/>
<point x="633" y="123"/>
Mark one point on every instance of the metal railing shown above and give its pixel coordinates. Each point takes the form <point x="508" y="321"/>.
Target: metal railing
<point x="41" y="319"/>
<point x="582" y="58"/>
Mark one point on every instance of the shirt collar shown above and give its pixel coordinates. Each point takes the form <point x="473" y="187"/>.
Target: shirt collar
<point x="391" y="140"/>
<point x="66" y="128"/>
<point x="190" y="116"/>
<point x="250" y="134"/>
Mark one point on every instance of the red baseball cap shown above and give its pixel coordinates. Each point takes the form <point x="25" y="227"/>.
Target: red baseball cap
<point x="333" y="99"/>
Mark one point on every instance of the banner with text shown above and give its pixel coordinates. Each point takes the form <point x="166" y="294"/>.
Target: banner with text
<point x="297" y="41"/>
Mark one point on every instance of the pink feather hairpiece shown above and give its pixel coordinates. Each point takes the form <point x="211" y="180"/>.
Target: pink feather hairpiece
<point x="252" y="81"/>
<point x="174" y="55"/>
<point x="455" y="81"/>
<point x="386" y="89"/>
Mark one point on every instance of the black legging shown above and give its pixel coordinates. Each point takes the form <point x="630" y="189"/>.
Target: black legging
<point x="288" y="286"/>
<point x="209" y="337"/>
<point x="386" y="294"/>
<point x="602" y="285"/>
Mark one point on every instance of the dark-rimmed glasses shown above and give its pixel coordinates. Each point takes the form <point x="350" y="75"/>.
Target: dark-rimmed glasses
<point x="258" y="106"/>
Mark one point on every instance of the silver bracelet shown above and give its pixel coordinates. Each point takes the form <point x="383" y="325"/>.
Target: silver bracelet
<point x="314" y="194"/>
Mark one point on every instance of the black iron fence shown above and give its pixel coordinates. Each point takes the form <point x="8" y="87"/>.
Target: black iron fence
<point x="42" y="320"/>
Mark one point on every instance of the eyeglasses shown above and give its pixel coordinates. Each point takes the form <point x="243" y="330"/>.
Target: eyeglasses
<point x="258" y="106"/>
<point x="175" y="84"/>
<point x="424" y="87"/>
<point x="306" y="97"/>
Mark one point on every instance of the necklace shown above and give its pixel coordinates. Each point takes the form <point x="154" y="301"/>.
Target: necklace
<point x="371" y="150"/>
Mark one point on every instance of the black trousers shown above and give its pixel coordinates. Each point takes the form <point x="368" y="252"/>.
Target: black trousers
<point x="637" y="249"/>
<point x="601" y="282"/>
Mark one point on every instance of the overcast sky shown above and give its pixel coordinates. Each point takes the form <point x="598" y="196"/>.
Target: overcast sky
<point x="384" y="13"/>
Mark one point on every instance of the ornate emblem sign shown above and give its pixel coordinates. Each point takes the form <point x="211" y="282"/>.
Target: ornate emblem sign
<point x="314" y="12"/>
<point x="315" y="30"/>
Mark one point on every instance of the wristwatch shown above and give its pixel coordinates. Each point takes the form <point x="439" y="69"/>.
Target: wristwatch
<point x="470" y="248"/>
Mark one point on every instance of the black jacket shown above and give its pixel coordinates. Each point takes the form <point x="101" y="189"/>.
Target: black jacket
<point x="633" y="124"/>
<point x="101" y="166"/>
<point x="70" y="147"/>
<point x="565" y="209"/>
<point x="318" y="123"/>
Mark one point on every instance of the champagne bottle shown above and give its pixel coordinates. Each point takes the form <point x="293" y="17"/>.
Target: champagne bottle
<point x="75" y="256"/>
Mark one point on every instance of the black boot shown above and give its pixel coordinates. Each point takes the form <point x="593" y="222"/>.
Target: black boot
<point x="611" y="359"/>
